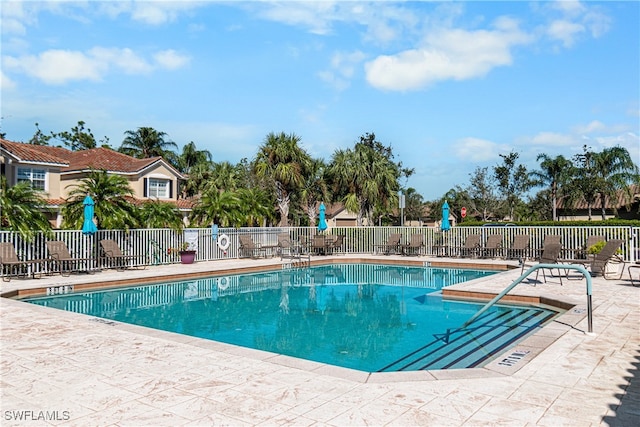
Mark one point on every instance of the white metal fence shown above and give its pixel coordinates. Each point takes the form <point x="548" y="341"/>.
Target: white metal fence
<point x="153" y="245"/>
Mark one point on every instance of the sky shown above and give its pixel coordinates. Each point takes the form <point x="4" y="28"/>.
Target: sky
<point x="449" y="86"/>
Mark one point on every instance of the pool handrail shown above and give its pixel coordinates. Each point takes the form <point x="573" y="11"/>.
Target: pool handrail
<point x="579" y="268"/>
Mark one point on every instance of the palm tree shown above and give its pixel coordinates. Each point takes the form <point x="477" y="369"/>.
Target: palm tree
<point x="554" y="173"/>
<point x="282" y="165"/>
<point x="217" y="207"/>
<point x="191" y="157"/>
<point x="617" y="171"/>
<point x="366" y="178"/>
<point x="157" y="214"/>
<point x="109" y="193"/>
<point x="147" y="142"/>
<point x="21" y="209"/>
<point x="315" y="189"/>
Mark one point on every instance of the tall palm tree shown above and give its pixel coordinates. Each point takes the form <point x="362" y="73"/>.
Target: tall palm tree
<point x="554" y="173"/>
<point x="282" y="164"/>
<point x="616" y="171"/>
<point x="147" y="142"/>
<point x="191" y="157"/>
<point x="315" y="189"/>
<point x="20" y="209"/>
<point x="366" y="178"/>
<point x="109" y="193"/>
<point x="157" y="214"/>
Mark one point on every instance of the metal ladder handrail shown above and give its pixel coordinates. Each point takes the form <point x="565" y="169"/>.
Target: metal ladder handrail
<point x="579" y="268"/>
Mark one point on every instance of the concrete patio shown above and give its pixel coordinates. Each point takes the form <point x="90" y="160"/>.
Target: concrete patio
<point x="63" y="368"/>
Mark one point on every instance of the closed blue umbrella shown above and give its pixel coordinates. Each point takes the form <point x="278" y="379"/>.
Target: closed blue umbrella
<point x="444" y="225"/>
<point x="88" y="226"/>
<point x="322" y="223"/>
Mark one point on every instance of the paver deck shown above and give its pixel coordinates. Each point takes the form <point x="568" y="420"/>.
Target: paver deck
<point x="67" y="369"/>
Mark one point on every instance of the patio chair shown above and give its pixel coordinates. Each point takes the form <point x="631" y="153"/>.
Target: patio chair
<point x="492" y="246"/>
<point x="519" y="248"/>
<point x="249" y="248"/>
<point x="583" y="252"/>
<point x="11" y="265"/>
<point x="550" y="255"/>
<point x="471" y="247"/>
<point x="62" y="260"/>
<point x="113" y="257"/>
<point x="392" y="245"/>
<point x="335" y="245"/>
<point x="548" y="239"/>
<point x="287" y="247"/>
<point x="597" y="264"/>
<point x="319" y="244"/>
<point x="415" y="245"/>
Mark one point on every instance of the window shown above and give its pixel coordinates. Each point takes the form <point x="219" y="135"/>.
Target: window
<point x="158" y="188"/>
<point x="36" y="177"/>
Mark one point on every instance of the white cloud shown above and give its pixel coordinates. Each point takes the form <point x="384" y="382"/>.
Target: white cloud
<point x="448" y="54"/>
<point x="477" y="150"/>
<point x="170" y="59"/>
<point x="565" y="31"/>
<point x="551" y="139"/>
<point x="5" y="82"/>
<point x="343" y="67"/>
<point x="61" y="66"/>
<point x="594" y="126"/>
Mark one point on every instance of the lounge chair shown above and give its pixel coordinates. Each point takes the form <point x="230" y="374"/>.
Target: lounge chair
<point x="11" y="265"/>
<point x="598" y="263"/>
<point x="471" y="247"/>
<point x="492" y="246"/>
<point x="519" y="248"/>
<point x="583" y="252"/>
<point x="113" y="257"/>
<point x="392" y="245"/>
<point x="415" y="245"/>
<point x="63" y="262"/>
<point x="550" y="255"/>
<point x="635" y="266"/>
<point x="249" y="248"/>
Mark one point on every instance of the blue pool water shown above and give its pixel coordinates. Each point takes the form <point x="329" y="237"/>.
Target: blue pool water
<point x="360" y="316"/>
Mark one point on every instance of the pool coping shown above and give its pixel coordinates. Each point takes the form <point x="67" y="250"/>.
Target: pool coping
<point x="506" y="363"/>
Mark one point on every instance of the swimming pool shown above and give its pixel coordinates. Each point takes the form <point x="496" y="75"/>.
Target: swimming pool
<point x="368" y="317"/>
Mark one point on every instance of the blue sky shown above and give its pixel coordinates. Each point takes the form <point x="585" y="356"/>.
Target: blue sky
<point x="448" y="85"/>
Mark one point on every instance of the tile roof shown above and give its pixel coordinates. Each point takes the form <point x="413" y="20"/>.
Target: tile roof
<point x="95" y="158"/>
<point x="36" y="153"/>
<point x="109" y="160"/>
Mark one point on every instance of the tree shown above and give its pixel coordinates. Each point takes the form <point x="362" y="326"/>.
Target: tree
<point x="615" y="171"/>
<point x="39" y="138"/>
<point x="112" y="197"/>
<point x="191" y="157"/>
<point x="482" y="190"/>
<point x="157" y="214"/>
<point x="414" y="204"/>
<point x="585" y="183"/>
<point x="366" y="178"/>
<point x="315" y="189"/>
<point x="513" y="180"/>
<point x="282" y="165"/>
<point x="21" y="209"/>
<point x="146" y="142"/>
<point x="79" y="138"/>
<point x="243" y="207"/>
<point x="554" y="173"/>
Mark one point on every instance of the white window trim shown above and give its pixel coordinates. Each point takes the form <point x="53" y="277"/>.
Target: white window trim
<point x="167" y="183"/>
<point x="31" y="169"/>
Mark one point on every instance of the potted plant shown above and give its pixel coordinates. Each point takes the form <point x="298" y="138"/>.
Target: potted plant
<point x="187" y="254"/>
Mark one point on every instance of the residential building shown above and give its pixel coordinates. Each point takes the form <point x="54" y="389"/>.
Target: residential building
<point x="56" y="171"/>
